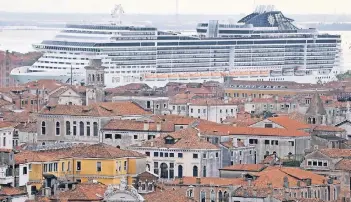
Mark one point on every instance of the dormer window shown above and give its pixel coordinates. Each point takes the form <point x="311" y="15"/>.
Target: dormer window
<point x="169" y="140"/>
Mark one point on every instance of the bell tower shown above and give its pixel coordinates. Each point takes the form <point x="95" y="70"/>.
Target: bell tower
<point x="95" y="81"/>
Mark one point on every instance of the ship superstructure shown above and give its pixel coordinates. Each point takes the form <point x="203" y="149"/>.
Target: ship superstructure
<point x="264" y="45"/>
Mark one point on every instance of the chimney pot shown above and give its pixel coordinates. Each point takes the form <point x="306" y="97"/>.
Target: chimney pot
<point x="158" y="126"/>
<point x="198" y="180"/>
<point x="146" y="126"/>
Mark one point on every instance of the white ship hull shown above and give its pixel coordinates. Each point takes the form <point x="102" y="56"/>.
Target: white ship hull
<point x="254" y="49"/>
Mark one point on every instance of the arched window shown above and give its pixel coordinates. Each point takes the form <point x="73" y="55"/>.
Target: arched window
<point x="43" y="128"/>
<point x="213" y="196"/>
<point x="68" y="166"/>
<point x="203" y="196"/>
<point x="180" y="171"/>
<point x="150" y="187"/>
<point x="68" y="128"/>
<point x="164" y="170"/>
<point x="204" y="171"/>
<point x="195" y="171"/>
<point x="220" y="196"/>
<point x="89" y="78"/>
<point x="81" y="128"/>
<point x="93" y="80"/>
<point x="57" y="128"/>
<point x="102" y="78"/>
<point x="96" y="130"/>
<point x="147" y="167"/>
<point x="98" y="77"/>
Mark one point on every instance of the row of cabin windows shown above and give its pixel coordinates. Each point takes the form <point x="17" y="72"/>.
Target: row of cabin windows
<point x="69" y="128"/>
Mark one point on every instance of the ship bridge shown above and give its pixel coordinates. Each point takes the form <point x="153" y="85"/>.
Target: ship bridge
<point x="267" y="16"/>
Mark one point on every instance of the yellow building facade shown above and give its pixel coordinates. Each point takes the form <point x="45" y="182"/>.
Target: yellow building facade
<point x="105" y="164"/>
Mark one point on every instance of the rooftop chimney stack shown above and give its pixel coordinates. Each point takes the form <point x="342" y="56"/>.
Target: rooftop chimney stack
<point x="146" y="125"/>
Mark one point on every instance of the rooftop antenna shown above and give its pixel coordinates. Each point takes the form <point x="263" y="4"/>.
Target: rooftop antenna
<point x="117" y="13"/>
<point x="177" y="13"/>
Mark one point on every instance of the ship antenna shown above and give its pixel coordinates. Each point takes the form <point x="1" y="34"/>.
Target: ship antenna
<point x="177" y="13"/>
<point x="117" y="13"/>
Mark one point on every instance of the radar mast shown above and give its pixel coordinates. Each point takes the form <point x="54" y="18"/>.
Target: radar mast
<point x="117" y="13"/>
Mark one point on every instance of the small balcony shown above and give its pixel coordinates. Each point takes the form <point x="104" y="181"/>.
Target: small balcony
<point x="6" y="177"/>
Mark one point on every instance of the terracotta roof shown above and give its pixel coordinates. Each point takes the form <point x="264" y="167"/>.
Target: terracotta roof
<point x="5" y="150"/>
<point x="132" y="125"/>
<point x="99" y="150"/>
<point x="102" y="150"/>
<point x="178" y="120"/>
<point x="336" y="153"/>
<point x="209" y="101"/>
<point x="229" y="144"/>
<point x="245" y="167"/>
<point x="31" y="156"/>
<point x="269" y="159"/>
<point x="344" y="164"/>
<point x="19" y="117"/>
<point x="326" y="128"/>
<point x="254" y="192"/>
<point x="200" y="91"/>
<point x="231" y="130"/>
<point x="275" y="176"/>
<point x="103" y="109"/>
<point x="5" y="124"/>
<point x="43" y="84"/>
<point x="40" y="199"/>
<point x="27" y="127"/>
<point x="83" y="192"/>
<point x="176" y="194"/>
<point x="183" y="139"/>
<point x="288" y="123"/>
<point x="11" y="191"/>
<point x="213" y="181"/>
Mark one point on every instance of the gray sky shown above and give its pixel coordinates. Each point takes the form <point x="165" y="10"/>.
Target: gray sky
<point x="168" y="6"/>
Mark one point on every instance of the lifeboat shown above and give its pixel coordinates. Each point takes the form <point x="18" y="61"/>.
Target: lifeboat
<point x="276" y="72"/>
<point x="255" y="73"/>
<point x="233" y="73"/>
<point x="173" y="76"/>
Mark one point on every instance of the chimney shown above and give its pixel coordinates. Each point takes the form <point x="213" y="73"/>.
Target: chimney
<point x="198" y="180"/>
<point x="285" y="182"/>
<point x="235" y="142"/>
<point x="47" y="191"/>
<point x="146" y="125"/>
<point x="158" y="126"/>
<point x="66" y="187"/>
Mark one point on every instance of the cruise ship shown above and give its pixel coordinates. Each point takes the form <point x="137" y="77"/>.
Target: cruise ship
<point x="263" y="46"/>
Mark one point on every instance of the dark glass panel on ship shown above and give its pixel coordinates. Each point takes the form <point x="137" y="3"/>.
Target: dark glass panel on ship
<point x="111" y="27"/>
<point x="325" y="41"/>
<point x="235" y="31"/>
